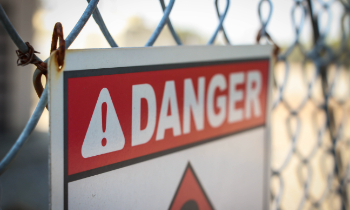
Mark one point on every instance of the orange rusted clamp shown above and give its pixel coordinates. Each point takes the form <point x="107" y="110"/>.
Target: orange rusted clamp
<point x="56" y="36"/>
<point x="276" y="49"/>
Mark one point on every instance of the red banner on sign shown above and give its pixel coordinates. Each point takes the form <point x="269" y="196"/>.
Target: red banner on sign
<point x="118" y="117"/>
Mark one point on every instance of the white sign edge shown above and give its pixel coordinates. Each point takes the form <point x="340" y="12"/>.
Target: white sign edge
<point x="122" y="57"/>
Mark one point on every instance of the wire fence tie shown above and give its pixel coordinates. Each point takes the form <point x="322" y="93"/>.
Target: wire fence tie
<point x="30" y="58"/>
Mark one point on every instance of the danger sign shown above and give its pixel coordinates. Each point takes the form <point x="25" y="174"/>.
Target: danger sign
<point x="160" y="128"/>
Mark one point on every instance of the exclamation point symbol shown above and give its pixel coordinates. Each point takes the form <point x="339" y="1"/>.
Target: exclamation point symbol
<point x="104" y="121"/>
<point x="104" y="134"/>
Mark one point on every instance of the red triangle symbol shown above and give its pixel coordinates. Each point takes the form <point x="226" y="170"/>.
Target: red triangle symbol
<point x="190" y="194"/>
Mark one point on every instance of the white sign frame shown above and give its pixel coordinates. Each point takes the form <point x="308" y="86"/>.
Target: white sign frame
<point x="76" y="60"/>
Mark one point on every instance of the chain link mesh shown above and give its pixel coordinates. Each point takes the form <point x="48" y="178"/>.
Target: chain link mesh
<point x="320" y="160"/>
<point x="310" y="129"/>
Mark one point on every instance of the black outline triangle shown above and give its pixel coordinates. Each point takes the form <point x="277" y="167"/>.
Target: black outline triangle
<point x="189" y="166"/>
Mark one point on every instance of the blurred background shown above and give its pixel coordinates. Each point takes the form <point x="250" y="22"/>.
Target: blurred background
<point x="310" y="134"/>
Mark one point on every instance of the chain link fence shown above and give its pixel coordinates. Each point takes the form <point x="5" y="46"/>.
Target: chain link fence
<point x="310" y="129"/>
<point x="316" y="122"/>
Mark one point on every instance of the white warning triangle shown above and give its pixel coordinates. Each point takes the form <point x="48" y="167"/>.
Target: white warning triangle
<point x="103" y="137"/>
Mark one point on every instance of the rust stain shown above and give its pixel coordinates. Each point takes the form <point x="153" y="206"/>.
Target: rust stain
<point x="58" y="67"/>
